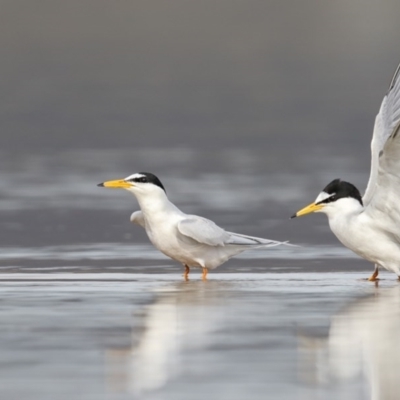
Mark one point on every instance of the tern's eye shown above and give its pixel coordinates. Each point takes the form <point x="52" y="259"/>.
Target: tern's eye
<point x="142" y="179"/>
<point x="330" y="199"/>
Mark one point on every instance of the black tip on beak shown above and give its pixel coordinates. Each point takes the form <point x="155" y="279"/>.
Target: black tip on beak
<point x="293" y="216"/>
<point x="101" y="184"/>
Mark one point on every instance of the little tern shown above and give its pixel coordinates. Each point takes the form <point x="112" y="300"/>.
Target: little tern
<point x="189" y="239"/>
<point x="369" y="225"/>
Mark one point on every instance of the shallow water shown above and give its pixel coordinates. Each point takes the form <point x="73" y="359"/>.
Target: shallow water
<point x="91" y="310"/>
<point x="116" y="335"/>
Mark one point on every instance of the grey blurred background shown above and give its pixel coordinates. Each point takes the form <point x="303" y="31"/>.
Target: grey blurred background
<point x="245" y="109"/>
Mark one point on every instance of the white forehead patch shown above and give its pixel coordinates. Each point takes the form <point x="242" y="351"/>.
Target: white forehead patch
<point x="134" y="176"/>
<point x="323" y="196"/>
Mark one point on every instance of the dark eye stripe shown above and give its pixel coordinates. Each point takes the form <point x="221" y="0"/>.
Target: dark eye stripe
<point x="141" y="179"/>
<point x="331" y="197"/>
<point x="327" y="200"/>
<point x="341" y="190"/>
<point x="146" y="177"/>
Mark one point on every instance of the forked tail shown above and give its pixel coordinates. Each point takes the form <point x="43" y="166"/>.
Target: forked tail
<point x="239" y="239"/>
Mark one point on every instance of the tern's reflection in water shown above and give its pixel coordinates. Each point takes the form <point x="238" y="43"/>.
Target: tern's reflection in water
<point x="178" y="322"/>
<point x="363" y="344"/>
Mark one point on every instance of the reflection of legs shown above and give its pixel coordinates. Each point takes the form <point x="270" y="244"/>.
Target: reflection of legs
<point x="186" y="273"/>
<point x="204" y="276"/>
<point x="374" y="276"/>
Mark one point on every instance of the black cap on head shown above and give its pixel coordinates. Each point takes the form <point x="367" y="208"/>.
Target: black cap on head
<point x="340" y="190"/>
<point x="147" y="177"/>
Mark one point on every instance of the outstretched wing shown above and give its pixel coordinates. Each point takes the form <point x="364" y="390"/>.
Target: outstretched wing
<point x="386" y="122"/>
<point x="384" y="196"/>
<point x="385" y="203"/>
<point x="207" y="232"/>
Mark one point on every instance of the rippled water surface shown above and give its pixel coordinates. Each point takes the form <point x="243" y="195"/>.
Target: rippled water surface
<point x="91" y="310"/>
<point x="117" y="335"/>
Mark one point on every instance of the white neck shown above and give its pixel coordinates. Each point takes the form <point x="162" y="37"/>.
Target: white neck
<point x="343" y="218"/>
<point x="154" y="203"/>
<point x="343" y="208"/>
<point x="345" y="221"/>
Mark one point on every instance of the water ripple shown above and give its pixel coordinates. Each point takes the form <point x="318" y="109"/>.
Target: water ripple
<point x="125" y="251"/>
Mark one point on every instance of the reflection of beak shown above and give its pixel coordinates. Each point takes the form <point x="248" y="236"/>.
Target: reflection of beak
<point x="118" y="184"/>
<point x="307" y="210"/>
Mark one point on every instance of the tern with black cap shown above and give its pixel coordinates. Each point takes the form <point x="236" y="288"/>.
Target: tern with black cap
<point x="189" y="239"/>
<point x="369" y="225"/>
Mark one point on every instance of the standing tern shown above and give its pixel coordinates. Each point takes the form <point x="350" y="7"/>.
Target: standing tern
<point x="369" y="225"/>
<point x="189" y="239"/>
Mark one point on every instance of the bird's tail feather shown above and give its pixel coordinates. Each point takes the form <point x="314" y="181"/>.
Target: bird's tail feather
<point x="239" y="239"/>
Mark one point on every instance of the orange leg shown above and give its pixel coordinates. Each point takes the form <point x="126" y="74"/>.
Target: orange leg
<point x="186" y="273"/>
<point x="204" y="275"/>
<point x="374" y="276"/>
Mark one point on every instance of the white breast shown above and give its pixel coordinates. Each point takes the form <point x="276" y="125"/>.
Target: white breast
<point x="363" y="235"/>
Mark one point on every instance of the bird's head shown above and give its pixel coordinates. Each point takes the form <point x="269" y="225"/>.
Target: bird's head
<point x="337" y="197"/>
<point x="140" y="184"/>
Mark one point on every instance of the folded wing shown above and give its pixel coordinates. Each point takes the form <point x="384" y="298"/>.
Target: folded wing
<point x="203" y="231"/>
<point x="207" y="232"/>
<point x="138" y="218"/>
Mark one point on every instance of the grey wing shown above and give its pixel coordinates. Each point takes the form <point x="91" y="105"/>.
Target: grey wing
<point x="386" y="122"/>
<point x="384" y="203"/>
<point x="239" y="239"/>
<point x="207" y="232"/>
<point x="138" y="218"/>
<point x="203" y="230"/>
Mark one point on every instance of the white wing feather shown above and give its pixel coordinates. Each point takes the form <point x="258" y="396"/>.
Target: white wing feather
<point x="204" y="231"/>
<point x="385" y="203"/>
<point x="138" y="218"/>
<point x="386" y="122"/>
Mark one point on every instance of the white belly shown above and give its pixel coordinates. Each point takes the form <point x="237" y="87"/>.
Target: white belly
<point x="166" y="238"/>
<point x="361" y="235"/>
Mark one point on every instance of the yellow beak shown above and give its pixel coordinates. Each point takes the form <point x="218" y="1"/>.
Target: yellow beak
<point x="117" y="184"/>
<point x="307" y="210"/>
